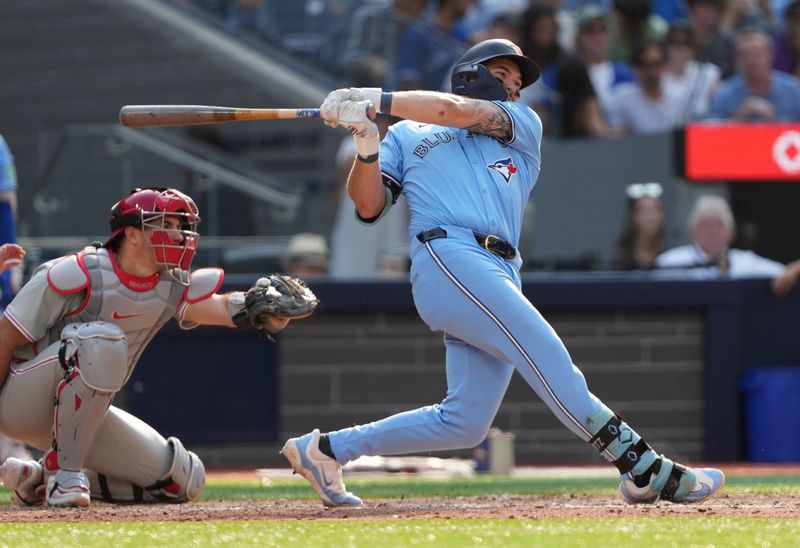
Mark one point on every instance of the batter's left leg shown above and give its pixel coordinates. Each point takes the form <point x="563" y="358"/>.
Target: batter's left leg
<point x="476" y="383"/>
<point x="477" y="298"/>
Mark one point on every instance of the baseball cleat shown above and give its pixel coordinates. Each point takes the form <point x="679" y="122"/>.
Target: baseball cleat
<point x="673" y="482"/>
<point x="25" y="480"/>
<point x="68" y="488"/>
<point x="323" y="472"/>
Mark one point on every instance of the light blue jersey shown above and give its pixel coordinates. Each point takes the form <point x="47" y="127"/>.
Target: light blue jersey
<point x="453" y="177"/>
<point x="459" y="183"/>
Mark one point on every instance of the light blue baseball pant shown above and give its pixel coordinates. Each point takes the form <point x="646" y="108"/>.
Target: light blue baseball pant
<point x="490" y="329"/>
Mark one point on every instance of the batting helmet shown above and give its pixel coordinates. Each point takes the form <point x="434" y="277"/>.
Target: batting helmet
<point x="471" y="78"/>
<point x="149" y="208"/>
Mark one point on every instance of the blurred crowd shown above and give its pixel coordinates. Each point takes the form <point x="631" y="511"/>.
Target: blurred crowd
<point x="609" y="67"/>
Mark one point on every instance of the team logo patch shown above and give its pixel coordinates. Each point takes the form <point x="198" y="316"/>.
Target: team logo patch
<point x="504" y="167"/>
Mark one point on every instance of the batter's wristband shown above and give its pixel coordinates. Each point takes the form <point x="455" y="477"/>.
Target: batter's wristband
<point x="371" y="159"/>
<point x="386" y="102"/>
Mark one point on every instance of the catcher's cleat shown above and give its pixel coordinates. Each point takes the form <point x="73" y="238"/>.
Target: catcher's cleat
<point x="667" y="480"/>
<point x="25" y="480"/>
<point x="68" y="488"/>
<point x="324" y="473"/>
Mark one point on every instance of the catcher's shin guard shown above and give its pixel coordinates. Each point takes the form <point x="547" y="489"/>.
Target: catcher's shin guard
<point x="183" y="482"/>
<point x="95" y="358"/>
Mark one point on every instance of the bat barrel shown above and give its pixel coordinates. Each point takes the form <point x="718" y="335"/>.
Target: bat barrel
<point x="182" y="115"/>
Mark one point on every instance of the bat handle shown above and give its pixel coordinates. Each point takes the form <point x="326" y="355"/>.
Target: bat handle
<point x="307" y="113"/>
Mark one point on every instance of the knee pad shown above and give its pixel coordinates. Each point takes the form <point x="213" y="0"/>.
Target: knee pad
<point x="99" y="351"/>
<point x="185" y="479"/>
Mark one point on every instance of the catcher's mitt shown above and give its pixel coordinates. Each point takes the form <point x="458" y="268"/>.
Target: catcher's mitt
<point x="273" y="301"/>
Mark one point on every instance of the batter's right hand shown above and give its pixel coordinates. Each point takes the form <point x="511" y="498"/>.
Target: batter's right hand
<point x="329" y="111"/>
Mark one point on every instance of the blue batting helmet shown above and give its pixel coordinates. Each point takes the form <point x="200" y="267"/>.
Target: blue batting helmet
<point x="471" y="78"/>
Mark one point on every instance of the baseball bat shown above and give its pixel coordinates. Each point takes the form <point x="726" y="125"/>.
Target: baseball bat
<point x="187" y="115"/>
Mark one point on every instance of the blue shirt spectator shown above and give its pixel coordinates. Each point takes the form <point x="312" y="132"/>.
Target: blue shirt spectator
<point x="430" y="48"/>
<point x="758" y="93"/>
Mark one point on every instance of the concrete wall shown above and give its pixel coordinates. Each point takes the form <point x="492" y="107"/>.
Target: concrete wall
<point x="345" y="368"/>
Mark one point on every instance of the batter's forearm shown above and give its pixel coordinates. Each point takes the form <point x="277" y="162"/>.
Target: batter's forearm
<point x="365" y="188"/>
<point x="446" y="109"/>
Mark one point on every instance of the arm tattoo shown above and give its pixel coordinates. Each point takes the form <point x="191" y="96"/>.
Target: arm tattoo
<point x="495" y="121"/>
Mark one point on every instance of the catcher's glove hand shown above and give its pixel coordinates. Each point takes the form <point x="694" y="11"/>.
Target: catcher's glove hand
<point x="273" y="301"/>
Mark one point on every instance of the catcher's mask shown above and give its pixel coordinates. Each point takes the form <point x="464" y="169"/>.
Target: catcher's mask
<point x="470" y="77"/>
<point x="149" y="208"/>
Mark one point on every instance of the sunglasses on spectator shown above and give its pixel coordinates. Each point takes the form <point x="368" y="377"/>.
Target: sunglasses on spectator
<point x="651" y="64"/>
<point x="644" y="190"/>
<point x="594" y="29"/>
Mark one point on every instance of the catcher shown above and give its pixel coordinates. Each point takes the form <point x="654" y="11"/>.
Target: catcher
<point x="74" y="333"/>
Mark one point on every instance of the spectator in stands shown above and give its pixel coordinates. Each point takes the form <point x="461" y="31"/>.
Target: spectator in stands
<point x="430" y="48"/>
<point x="252" y="15"/>
<point x="382" y="251"/>
<point x="372" y="46"/>
<point x="11" y="277"/>
<point x="693" y="81"/>
<point x="484" y="14"/>
<point x="565" y="18"/>
<point x="306" y="255"/>
<point x="711" y="229"/>
<point x="642" y="238"/>
<point x="742" y="14"/>
<point x="714" y="44"/>
<point x="758" y="93"/>
<point x="563" y="97"/>
<point x="671" y="10"/>
<point x="787" y="43"/>
<point x="502" y="26"/>
<point x="645" y="106"/>
<point x="634" y="23"/>
<point x="591" y="45"/>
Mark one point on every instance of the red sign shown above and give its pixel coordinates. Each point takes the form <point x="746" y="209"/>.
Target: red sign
<point x="742" y="152"/>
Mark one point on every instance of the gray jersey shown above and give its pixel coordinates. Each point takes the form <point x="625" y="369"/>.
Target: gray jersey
<point x="88" y="286"/>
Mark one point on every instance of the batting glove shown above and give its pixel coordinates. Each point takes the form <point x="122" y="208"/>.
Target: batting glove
<point x="329" y="111"/>
<point x="353" y="117"/>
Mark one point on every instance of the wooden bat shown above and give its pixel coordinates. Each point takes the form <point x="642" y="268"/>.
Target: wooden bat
<point x="187" y="115"/>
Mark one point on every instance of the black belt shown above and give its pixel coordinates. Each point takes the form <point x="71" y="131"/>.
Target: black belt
<point x="489" y="242"/>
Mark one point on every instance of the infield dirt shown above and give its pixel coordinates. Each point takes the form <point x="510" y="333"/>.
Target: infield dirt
<point x="784" y="505"/>
<point x="499" y="507"/>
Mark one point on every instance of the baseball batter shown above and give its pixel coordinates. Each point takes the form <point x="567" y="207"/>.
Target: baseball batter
<point x="73" y="335"/>
<point x="466" y="163"/>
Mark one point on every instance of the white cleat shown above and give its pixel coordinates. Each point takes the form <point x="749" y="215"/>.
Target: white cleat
<point x="68" y="488"/>
<point x="323" y="472"/>
<point x="25" y="480"/>
<point x="678" y="484"/>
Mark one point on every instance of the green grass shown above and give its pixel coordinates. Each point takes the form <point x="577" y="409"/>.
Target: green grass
<point x="641" y="531"/>
<point x="589" y="532"/>
<point x="410" y="486"/>
<point x="405" y="486"/>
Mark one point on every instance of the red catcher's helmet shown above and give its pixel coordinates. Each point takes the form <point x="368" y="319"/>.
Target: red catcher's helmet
<point x="149" y="208"/>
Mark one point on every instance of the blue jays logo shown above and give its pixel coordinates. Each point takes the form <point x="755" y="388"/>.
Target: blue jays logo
<point x="504" y="167"/>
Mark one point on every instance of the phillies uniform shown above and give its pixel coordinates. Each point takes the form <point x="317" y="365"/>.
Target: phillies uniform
<point x="463" y="183"/>
<point x="82" y="288"/>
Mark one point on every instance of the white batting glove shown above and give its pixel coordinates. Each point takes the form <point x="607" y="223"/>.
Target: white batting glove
<point x="353" y="117"/>
<point x="329" y="111"/>
<point x="373" y="95"/>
